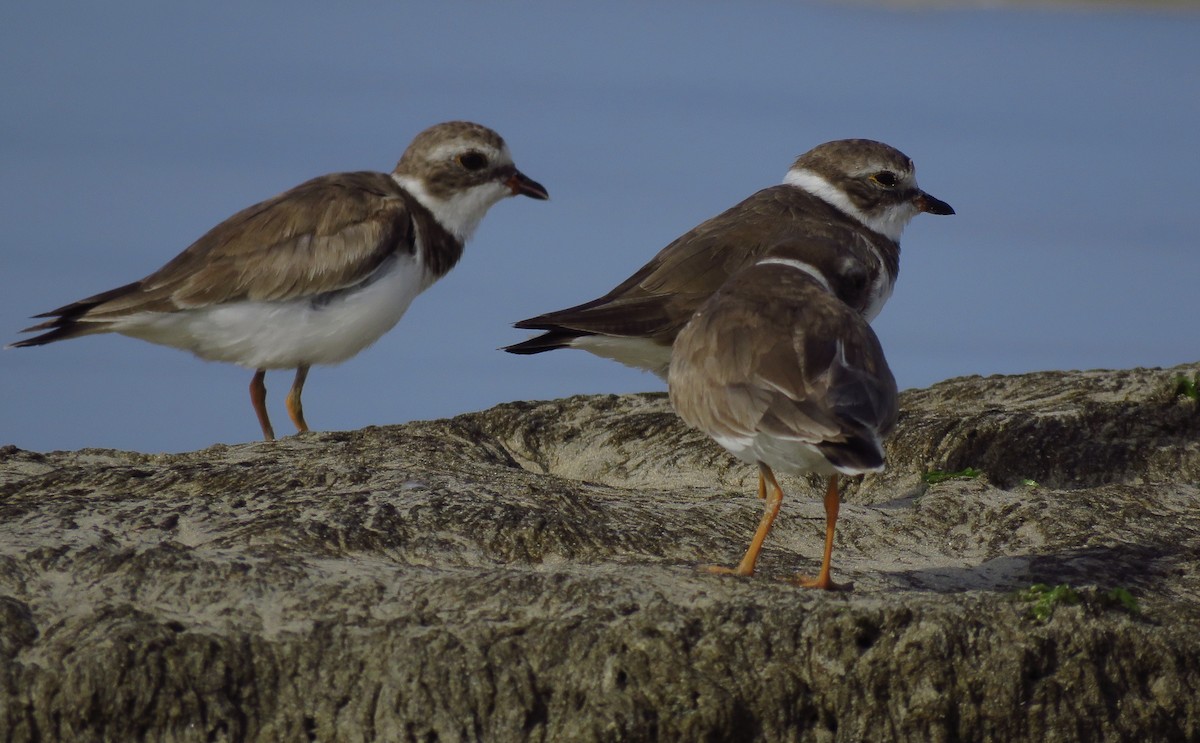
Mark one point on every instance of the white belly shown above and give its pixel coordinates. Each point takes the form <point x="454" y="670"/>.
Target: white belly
<point x="787" y="455"/>
<point x="640" y="353"/>
<point x="781" y="455"/>
<point x="284" y="335"/>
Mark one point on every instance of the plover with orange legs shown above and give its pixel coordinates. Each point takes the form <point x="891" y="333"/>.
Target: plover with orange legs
<point x="785" y="376"/>
<point x="317" y="273"/>
<point x="840" y="211"/>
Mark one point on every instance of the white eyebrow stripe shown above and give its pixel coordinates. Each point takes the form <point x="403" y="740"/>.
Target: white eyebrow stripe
<point x="807" y="268"/>
<point x="890" y="223"/>
<point x="818" y="186"/>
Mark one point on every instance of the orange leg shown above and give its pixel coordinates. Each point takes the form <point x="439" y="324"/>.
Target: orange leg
<point x="774" y="499"/>
<point x="832" y="503"/>
<point x="258" y="398"/>
<point x="294" y="407"/>
<point x="762" y="486"/>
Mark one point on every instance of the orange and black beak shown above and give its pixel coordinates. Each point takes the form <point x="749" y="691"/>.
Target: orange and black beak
<point x="930" y="205"/>
<point x="520" y="184"/>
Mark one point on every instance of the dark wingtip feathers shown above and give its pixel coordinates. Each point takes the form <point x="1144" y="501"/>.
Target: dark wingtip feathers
<point x="548" y="341"/>
<point x="64" y="321"/>
<point x="60" y="329"/>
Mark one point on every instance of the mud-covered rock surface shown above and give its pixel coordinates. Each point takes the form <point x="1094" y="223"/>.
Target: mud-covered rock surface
<point x="529" y="573"/>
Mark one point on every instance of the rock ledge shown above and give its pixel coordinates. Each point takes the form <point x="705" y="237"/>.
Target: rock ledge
<point x="528" y="573"/>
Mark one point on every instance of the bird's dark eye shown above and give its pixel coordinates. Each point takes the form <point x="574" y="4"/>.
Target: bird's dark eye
<point x="885" y="178"/>
<point x="472" y="160"/>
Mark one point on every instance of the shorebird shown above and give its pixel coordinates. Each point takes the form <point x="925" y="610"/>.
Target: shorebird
<point x="785" y="375"/>
<point x="317" y="273"/>
<point x="840" y="209"/>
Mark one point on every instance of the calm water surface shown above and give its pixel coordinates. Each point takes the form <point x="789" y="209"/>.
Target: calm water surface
<point x="1065" y="140"/>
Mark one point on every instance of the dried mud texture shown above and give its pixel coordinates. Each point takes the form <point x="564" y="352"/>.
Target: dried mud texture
<point x="529" y="573"/>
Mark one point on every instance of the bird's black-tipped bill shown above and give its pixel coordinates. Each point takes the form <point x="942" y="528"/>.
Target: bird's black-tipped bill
<point x="521" y="184"/>
<point x="930" y="205"/>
